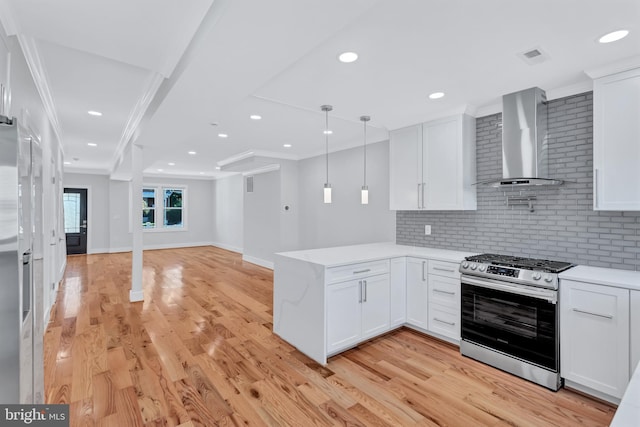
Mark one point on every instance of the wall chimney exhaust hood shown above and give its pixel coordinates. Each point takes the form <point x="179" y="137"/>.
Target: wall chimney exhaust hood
<point x="525" y="156"/>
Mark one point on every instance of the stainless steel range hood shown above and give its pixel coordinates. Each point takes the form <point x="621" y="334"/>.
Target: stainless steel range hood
<point x="524" y="140"/>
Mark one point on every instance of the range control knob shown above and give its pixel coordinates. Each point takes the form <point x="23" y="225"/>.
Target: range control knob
<point x="536" y="276"/>
<point x="474" y="266"/>
<point x="482" y="267"/>
<point x="548" y="278"/>
<point x="465" y="264"/>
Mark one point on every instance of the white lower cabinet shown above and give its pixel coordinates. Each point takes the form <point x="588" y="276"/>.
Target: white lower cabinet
<point x="444" y="306"/>
<point x="634" y="330"/>
<point x="594" y="333"/>
<point x="356" y="310"/>
<point x="417" y="293"/>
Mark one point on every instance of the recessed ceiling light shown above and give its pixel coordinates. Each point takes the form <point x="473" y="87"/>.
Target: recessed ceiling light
<point x="287" y="145"/>
<point x="348" y="57"/>
<point x="92" y="144"/>
<point x="223" y="135"/>
<point x="201" y="173"/>
<point x="436" y="95"/>
<point x="613" y="36"/>
<point x="171" y="164"/>
<point x="160" y="170"/>
<point x="67" y="163"/>
<point x="327" y="132"/>
<point x="255" y="117"/>
<point x="193" y="153"/>
<point x="94" y="113"/>
<point x="217" y="168"/>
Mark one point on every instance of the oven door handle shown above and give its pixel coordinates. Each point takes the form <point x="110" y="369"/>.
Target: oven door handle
<point x="545" y="294"/>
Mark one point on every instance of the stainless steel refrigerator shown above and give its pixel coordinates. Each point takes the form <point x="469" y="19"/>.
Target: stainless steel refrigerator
<point x="21" y="249"/>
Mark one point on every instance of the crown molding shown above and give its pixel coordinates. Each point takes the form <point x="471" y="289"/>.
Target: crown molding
<point x="614" y="67"/>
<point x="39" y="74"/>
<point x="263" y="169"/>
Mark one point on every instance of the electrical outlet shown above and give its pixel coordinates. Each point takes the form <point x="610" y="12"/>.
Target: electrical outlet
<point x="427" y="230"/>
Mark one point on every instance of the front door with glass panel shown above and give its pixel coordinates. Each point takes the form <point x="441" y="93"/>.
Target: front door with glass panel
<point x="75" y="220"/>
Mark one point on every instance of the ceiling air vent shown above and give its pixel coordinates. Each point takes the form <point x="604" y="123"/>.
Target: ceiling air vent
<point x="533" y="56"/>
<point x="249" y="180"/>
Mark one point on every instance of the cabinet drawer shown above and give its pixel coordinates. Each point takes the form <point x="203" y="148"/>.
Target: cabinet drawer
<point x="444" y="268"/>
<point x="444" y="291"/>
<point x="355" y="271"/>
<point x="444" y="321"/>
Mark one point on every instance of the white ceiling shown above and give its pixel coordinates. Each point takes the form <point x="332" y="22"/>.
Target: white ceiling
<point x="163" y="71"/>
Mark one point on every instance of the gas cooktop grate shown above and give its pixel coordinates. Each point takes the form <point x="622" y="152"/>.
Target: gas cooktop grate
<point x="521" y="262"/>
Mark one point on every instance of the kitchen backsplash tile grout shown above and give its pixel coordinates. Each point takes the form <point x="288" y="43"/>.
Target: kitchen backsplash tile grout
<point x="563" y="226"/>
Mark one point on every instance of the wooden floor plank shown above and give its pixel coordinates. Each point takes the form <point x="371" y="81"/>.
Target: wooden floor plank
<point x="199" y="351"/>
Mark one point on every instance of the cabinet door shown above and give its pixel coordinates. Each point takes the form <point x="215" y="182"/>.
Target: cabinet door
<point x="616" y="132"/>
<point x="375" y="305"/>
<point x="417" y="314"/>
<point x="442" y="163"/>
<point x="398" y="292"/>
<point x="405" y="169"/>
<point x="594" y="322"/>
<point x="343" y="315"/>
<point x="635" y="331"/>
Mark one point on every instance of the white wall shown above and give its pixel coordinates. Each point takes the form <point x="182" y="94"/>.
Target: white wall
<point x="346" y="221"/>
<point x="262" y="219"/>
<point x="228" y="217"/>
<point x="98" y="224"/>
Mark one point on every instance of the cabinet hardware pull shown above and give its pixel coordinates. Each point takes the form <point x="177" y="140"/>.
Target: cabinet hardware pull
<point x="360" y="291"/>
<point x="444" y="292"/>
<point x="364" y="282"/>
<point x="606" y="316"/>
<point x="362" y="271"/>
<point x="448" y="270"/>
<point x="419" y="195"/>
<point x="423" y="265"/>
<point x="444" y="321"/>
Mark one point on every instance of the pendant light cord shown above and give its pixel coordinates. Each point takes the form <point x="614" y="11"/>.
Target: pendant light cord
<point x="326" y="139"/>
<point x="365" y="151"/>
<point x="364" y="120"/>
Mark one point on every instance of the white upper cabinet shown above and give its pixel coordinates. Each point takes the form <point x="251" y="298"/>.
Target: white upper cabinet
<point x="433" y="165"/>
<point x="616" y="142"/>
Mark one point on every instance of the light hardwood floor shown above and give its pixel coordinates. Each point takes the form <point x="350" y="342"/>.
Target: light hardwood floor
<point x="200" y="351"/>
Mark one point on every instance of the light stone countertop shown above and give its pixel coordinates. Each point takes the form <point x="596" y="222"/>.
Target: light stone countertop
<point x="603" y="276"/>
<point x="345" y="255"/>
<point x="628" y="412"/>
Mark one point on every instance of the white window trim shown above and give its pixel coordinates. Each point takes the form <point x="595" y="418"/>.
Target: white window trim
<point x="135" y="212"/>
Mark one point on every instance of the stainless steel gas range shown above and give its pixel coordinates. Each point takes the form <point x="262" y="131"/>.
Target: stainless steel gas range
<point x="510" y="315"/>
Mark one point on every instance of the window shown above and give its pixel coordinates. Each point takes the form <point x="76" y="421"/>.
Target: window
<point x="172" y="207"/>
<point x="163" y="208"/>
<point x="148" y="208"/>
<point x="71" y="203"/>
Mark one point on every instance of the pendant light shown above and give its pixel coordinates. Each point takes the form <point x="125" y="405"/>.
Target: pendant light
<point x="364" y="194"/>
<point x="327" y="132"/>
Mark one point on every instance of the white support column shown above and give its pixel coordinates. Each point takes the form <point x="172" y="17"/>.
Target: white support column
<point x="136" y="293"/>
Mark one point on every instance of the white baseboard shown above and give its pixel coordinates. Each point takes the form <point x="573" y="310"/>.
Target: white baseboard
<point x="227" y="247"/>
<point x="63" y="267"/>
<point x="258" y="261"/>
<point x="47" y="315"/>
<point x="118" y="250"/>
<point x="135" y="296"/>
<point x="98" y="251"/>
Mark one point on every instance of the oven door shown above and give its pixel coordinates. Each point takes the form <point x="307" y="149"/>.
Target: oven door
<point x="517" y="320"/>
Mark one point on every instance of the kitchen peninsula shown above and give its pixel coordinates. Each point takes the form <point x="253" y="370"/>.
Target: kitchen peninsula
<point x="328" y="300"/>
